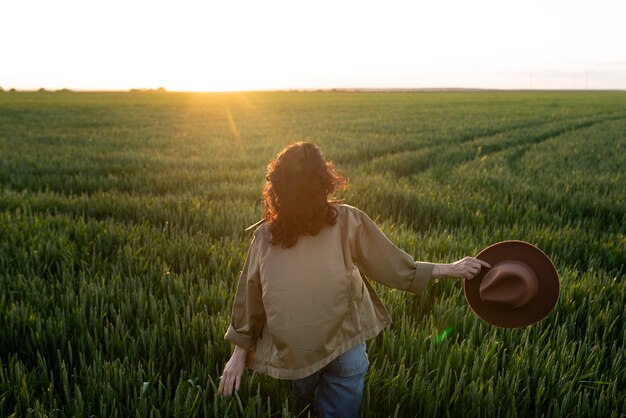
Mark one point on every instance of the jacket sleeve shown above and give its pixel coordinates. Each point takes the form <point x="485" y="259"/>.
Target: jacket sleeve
<point x="382" y="261"/>
<point x="248" y="315"/>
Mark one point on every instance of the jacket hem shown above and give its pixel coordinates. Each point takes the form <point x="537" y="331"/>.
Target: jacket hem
<point x="288" y="374"/>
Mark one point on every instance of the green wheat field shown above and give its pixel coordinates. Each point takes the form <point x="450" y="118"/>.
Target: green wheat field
<point x="122" y="220"/>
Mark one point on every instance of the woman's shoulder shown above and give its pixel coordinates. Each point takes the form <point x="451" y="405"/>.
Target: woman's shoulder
<point x="258" y="230"/>
<point x="346" y="209"/>
<point x="350" y="214"/>
<point x="255" y="226"/>
<point x="344" y="206"/>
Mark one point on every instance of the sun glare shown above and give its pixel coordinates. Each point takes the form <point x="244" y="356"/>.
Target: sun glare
<point x="223" y="46"/>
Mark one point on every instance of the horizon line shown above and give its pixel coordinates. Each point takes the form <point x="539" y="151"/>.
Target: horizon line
<point x="310" y="90"/>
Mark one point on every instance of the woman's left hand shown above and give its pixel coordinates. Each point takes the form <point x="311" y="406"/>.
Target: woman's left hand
<point x="466" y="268"/>
<point x="231" y="377"/>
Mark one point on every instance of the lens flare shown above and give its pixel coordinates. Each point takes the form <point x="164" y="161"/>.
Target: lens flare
<point x="439" y="338"/>
<point x="233" y="127"/>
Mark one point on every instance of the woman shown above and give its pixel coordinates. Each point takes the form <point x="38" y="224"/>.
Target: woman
<point x="302" y="310"/>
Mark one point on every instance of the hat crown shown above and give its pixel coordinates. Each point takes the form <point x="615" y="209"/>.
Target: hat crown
<point x="509" y="285"/>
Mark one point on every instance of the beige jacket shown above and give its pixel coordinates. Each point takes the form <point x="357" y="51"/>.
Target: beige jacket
<point x="297" y="309"/>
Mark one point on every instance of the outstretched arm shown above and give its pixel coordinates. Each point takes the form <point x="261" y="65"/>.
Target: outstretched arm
<point x="385" y="263"/>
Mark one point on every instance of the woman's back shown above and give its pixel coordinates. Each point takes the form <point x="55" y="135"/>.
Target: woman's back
<point x="315" y="303"/>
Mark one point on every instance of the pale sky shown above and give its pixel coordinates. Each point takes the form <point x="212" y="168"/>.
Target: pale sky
<point x="266" y="44"/>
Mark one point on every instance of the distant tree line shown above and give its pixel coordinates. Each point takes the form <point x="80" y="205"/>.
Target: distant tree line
<point x="41" y="90"/>
<point x="159" y="90"/>
<point x="66" y="90"/>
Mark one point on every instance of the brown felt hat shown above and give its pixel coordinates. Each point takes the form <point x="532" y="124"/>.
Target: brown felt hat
<point x="520" y="288"/>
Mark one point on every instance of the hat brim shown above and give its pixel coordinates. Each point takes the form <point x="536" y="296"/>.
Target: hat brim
<point x="536" y="309"/>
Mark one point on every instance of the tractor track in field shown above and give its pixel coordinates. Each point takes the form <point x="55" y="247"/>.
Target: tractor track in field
<point x="467" y="149"/>
<point x="520" y="150"/>
<point x="370" y="157"/>
<point x="367" y="156"/>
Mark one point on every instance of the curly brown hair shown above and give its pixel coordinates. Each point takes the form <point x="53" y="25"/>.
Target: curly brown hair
<point x="298" y="183"/>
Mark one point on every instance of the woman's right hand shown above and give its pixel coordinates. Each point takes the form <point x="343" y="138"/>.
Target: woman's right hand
<point x="230" y="380"/>
<point x="465" y="268"/>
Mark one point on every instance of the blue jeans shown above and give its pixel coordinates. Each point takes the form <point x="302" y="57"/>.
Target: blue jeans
<point x="337" y="389"/>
